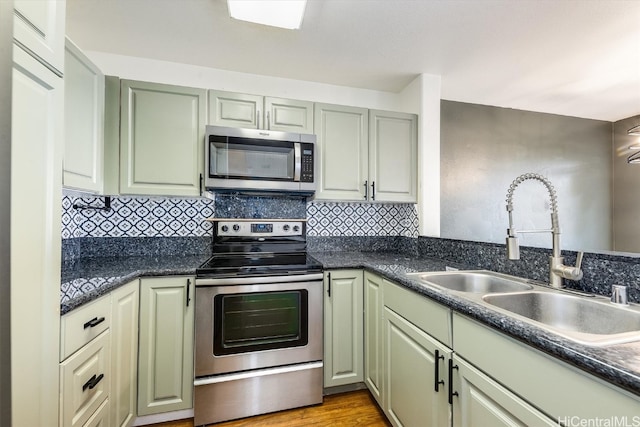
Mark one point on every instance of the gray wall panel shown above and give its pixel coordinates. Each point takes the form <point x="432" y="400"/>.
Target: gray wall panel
<point x="626" y="189"/>
<point x="6" y="66"/>
<point x="484" y="148"/>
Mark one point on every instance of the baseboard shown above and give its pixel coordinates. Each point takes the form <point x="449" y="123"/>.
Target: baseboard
<point x="164" y="417"/>
<point x="328" y="391"/>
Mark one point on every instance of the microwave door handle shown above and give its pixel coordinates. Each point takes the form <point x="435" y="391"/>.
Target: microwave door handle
<point x="297" y="160"/>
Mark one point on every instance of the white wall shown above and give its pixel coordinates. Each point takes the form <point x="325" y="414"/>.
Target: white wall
<point x="423" y="95"/>
<point x="127" y="67"/>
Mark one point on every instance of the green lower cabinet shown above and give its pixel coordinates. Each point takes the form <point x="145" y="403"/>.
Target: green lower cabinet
<point x="165" y="364"/>
<point x="480" y="401"/>
<point x="414" y="364"/>
<point x="373" y="366"/>
<point x="343" y="327"/>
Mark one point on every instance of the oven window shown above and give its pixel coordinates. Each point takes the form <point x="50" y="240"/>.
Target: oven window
<point x="260" y="321"/>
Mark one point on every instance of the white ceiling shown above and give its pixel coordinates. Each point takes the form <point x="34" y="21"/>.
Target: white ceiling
<point x="572" y="57"/>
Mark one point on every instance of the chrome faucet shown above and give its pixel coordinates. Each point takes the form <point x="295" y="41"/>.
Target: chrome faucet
<point x="557" y="270"/>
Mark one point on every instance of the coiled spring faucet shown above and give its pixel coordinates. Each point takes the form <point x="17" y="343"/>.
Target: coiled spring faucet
<point x="557" y="270"/>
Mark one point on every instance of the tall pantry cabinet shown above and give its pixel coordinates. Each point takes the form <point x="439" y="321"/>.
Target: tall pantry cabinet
<point x="36" y="187"/>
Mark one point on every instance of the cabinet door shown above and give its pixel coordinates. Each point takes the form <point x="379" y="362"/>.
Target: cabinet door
<point x="39" y="28"/>
<point x="161" y="139"/>
<point x="36" y="185"/>
<point x="124" y="354"/>
<point x="83" y="122"/>
<point x="343" y="146"/>
<point x="410" y="381"/>
<point x="165" y="364"/>
<point x="393" y="156"/>
<point x="343" y="328"/>
<point x="373" y="373"/>
<point x="235" y="110"/>
<point x="480" y="401"/>
<point x="288" y="115"/>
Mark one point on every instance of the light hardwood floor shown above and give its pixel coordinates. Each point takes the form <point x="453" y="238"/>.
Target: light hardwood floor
<point x="355" y="408"/>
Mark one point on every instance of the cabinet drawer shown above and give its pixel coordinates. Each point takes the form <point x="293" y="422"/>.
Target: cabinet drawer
<point x="84" y="382"/>
<point x="84" y="324"/>
<point x="431" y="317"/>
<point x="100" y="418"/>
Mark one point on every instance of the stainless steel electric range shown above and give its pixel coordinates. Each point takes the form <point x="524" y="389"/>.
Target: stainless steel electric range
<point x="258" y="321"/>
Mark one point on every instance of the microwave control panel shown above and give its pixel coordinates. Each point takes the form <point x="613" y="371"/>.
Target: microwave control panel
<point x="306" y="173"/>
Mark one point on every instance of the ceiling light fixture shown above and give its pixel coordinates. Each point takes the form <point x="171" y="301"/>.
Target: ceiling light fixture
<point x="276" y="13"/>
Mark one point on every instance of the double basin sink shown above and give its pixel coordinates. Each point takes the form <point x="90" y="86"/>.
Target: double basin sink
<point x="589" y="320"/>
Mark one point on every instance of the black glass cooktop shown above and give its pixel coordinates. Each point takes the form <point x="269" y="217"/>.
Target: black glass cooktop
<point x="254" y="264"/>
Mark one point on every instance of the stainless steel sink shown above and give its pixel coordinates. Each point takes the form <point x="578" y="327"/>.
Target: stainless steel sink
<point x="585" y="320"/>
<point x="477" y="282"/>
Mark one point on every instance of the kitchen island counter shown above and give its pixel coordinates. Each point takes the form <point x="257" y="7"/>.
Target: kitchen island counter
<point x="617" y="364"/>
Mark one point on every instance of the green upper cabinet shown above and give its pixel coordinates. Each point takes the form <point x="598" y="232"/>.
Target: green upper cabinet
<point x="343" y="147"/>
<point x="83" y="122"/>
<point x="259" y="112"/>
<point x="161" y="138"/>
<point x="38" y="27"/>
<point x="288" y="115"/>
<point x="366" y="154"/>
<point x="393" y="156"/>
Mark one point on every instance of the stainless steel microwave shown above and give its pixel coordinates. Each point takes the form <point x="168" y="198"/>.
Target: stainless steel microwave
<point x="249" y="160"/>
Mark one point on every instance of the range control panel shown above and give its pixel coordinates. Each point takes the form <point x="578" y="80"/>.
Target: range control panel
<point x="259" y="228"/>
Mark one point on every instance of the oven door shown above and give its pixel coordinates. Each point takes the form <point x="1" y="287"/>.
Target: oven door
<point x="251" y="323"/>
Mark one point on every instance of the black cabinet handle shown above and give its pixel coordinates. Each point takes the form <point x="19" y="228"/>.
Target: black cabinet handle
<point x="438" y="381"/>
<point x="373" y="190"/>
<point x="451" y="392"/>
<point x="188" y="291"/>
<point x="93" y="322"/>
<point x="366" y="189"/>
<point x="329" y="284"/>
<point x="93" y="382"/>
<point x="201" y="179"/>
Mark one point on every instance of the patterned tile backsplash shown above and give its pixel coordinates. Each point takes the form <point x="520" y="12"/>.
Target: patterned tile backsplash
<point x="361" y="219"/>
<point x="184" y="217"/>
<point x="136" y="217"/>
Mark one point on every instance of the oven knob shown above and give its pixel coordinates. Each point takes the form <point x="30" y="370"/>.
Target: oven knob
<point x="224" y="228"/>
<point x="296" y="228"/>
<point x="236" y="227"/>
<point x="285" y="227"/>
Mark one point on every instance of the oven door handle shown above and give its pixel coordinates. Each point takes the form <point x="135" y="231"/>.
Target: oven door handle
<point x="256" y="280"/>
<point x="256" y="373"/>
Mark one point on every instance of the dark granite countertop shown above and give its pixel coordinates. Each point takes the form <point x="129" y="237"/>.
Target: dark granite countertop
<point x="87" y="279"/>
<point x="617" y="364"/>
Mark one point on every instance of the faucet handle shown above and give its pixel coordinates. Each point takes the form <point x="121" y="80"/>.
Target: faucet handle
<point x="619" y="295"/>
